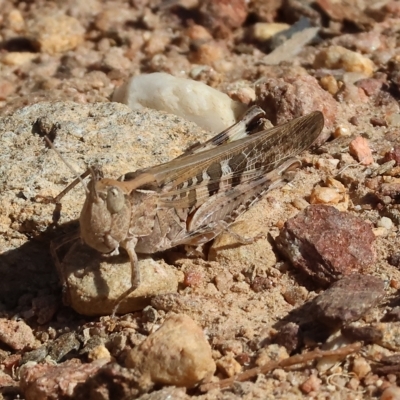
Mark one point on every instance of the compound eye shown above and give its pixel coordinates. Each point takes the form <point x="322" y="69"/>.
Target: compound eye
<point x="115" y="200"/>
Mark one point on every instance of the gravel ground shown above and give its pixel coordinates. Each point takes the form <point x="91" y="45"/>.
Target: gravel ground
<point x="310" y="308"/>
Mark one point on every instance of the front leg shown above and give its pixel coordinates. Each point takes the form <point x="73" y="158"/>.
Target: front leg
<point x="130" y="245"/>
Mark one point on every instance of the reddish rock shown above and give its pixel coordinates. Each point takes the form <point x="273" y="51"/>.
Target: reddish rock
<point x="221" y="16"/>
<point x="360" y="150"/>
<point x="16" y="334"/>
<point x="393" y="154"/>
<point x="44" y="381"/>
<point x="348" y="299"/>
<point x="327" y="244"/>
<point x="370" y="86"/>
<point x="286" y="98"/>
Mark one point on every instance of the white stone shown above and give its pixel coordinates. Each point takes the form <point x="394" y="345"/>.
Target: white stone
<point x="385" y="222"/>
<point x="192" y="100"/>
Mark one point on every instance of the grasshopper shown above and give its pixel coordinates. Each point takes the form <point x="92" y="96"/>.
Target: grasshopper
<point x="195" y="197"/>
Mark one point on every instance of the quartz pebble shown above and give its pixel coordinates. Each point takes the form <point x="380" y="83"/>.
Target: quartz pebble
<point x="385" y="222"/>
<point x="195" y="101"/>
<point x="177" y="354"/>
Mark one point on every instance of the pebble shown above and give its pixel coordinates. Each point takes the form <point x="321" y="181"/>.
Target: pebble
<point x="221" y="16"/>
<point x="16" y="334"/>
<point x="336" y="57"/>
<point x="341" y="131"/>
<point x="99" y="353"/>
<point x="83" y="266"/>
<point x="359" y="148"/>
<point x="52" y="382"/>
<point x="361" y="367"/>
<point x="15" y="58"/>
<point x="385" y="222"/>
<point x="195" y="101"/>
<point x="312" y="384"/>
<point x="228" y="366"/>
<point x="327" y="244"/>
<point x="330" y="84"/>
<point x="262" y="31"/>
<point x="56" y="33"/>
<point x="176" y="354"/>
<point x="290" y="97"/>
<point x="390" y="332"/>
<point x="63" y="345"/>
<point x="325" y="195"/>
<point x="391" y="393"/>
<point x="348" y="299"/>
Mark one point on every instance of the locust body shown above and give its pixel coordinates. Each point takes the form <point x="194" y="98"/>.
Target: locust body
<point x="195" y="197"/>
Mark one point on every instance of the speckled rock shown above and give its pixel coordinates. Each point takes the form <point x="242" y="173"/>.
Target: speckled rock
<point x="348" y="299"/>
<point x="327" y="244"/>
<point x="109" y="134"/>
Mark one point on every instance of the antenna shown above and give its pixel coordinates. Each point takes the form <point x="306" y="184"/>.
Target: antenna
<point x="78" y="177"/>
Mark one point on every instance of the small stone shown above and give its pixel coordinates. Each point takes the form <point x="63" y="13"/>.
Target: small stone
<point x="341" y="131"/>
<point x="359" y="148"/>
<point x="49" y="382"/>
<point x="290" y="336"/>
<point x="228" y="366"/>
<point x="16" y="334"/>
<point x="330" y="84"/>
<point x="376" y="121"/>
<point x="272" y="352"/>
<point x="336" y="57"/>
<point x="361" y="367"/>
<point x="393" y="154"/>
<point x="262" y="31"/>
<point x="290" y="97"/>
<point x="348" y="299"/>
<point x="63" y="345"/>
<point x="327" y="244"/>
<point x="366" y="333"/>
<point x="324" y="195"/>
<point x="391" y="393"/>
<point x="56" y="33"/>
<point x="386" y="223"/>
<point x="177" y="354"/>
<point x="312" y="384"/>
<point x="221" y="16"/>
<point x="210" y="53"/>
<point x="15" y="58"/>
<point x="99" y="353"/>
<point x="370" y="86"/>
<point x="189" y="99"/>
<point x="390" y="334"/>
